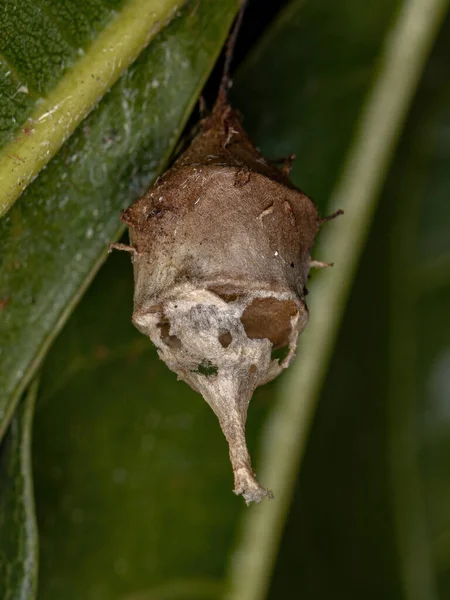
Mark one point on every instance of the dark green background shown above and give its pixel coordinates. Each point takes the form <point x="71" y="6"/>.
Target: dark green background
<point x="133" y="484"/>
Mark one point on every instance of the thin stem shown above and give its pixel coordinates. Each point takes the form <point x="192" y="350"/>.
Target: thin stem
<point x="231" y="44"/>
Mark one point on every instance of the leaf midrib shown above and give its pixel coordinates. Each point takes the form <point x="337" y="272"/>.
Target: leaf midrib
<point x="57" y="116"/>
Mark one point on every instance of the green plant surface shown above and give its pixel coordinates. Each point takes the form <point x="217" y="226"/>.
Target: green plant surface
<point x="18" y="534"/>
<point x="56" y="236"/>
<point x="419" y="344"/>
<point x="373" y="494"/>
<point x="351" y="169"/>
<point x="57" y="59"/>
<point x="133" y="483"/>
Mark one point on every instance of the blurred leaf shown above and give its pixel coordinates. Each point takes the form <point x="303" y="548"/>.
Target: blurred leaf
<point x="371" y="509"/>
<point x="56" y="236"/>
<point x="18" y="536"/>
<point x="57" y="60"/>
<point x="419" y="368"/>
<point x="364" y="87"/>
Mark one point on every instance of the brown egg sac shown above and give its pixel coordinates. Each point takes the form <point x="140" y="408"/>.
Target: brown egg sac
<point x="221" y="251"/>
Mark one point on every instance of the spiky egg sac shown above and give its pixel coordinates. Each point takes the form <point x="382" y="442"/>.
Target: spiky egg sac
<point x="221" y="254"/>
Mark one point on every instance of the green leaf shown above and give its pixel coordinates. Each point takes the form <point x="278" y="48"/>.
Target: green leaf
<point x="56" y="236"/>
<point x="18" y="535"/>
<point x="133" y="483"/>
<point x="418" y="350"/>
<point x="354" y="185"/>
<point x="373" y="495"/>
<point x="57" y="59"/>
